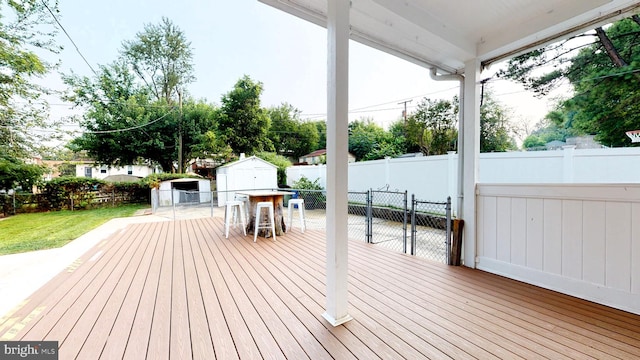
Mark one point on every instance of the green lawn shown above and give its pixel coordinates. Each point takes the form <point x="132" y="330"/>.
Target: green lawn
<point x="28" y="232"/>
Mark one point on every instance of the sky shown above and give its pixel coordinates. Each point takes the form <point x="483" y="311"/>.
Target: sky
<point x="245" y="37"/>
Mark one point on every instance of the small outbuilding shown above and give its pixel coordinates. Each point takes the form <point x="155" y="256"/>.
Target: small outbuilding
<point x="182" y="191"/>
<point x="245" y="174"/>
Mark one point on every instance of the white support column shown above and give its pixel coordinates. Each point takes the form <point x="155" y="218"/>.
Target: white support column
<point x="452" y="179"/>
<point x="337" y="156"/>
<point x="471" y="155"/>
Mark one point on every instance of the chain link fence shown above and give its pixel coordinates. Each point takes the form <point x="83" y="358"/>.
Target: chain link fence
<point x="389" y="218"/>
<point x="184" y="204"/>
<point x="384" y="218"/>
<point x="431" y="229"/>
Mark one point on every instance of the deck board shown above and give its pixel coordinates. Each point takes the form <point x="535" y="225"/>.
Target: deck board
<point x="160" y="332"/>
<point x="135" y="345"/>
<point x="181" y="290"/>
<point x="94" y="327"/>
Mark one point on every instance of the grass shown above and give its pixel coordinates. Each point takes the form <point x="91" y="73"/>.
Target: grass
<point x="38" y="231"/>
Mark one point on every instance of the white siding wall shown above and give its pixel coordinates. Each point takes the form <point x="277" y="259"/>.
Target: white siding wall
<point x="583" y="240"/>
<point x="137" y="170"/>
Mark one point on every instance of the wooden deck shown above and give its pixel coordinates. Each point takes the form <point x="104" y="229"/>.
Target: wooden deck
<point x="180" y="290"/>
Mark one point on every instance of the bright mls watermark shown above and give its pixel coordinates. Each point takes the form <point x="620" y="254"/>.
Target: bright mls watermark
<point x="31" y="350"/>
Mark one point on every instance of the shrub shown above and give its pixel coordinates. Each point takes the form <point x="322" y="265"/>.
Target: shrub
<point x="314" y="197"/>
<point x="68" y="192"/>
<point x="306" y="184"/>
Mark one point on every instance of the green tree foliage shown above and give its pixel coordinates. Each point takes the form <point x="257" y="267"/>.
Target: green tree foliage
<point x="123" y="125"/>
<point x="67" y="169"/>
<point x="604" y="75"/>
<point x="243" y="124"/>
<point x="161" y="56"/>
<point x="398" y="131"/>
<point x="556" y="126"/>
<point x="26" y="32"/>
<point x="291" y="136"/>
<point x="321" y="125"/>
<point x="15" y="173"/>
<point x="494" y="127"/>
<point x="132" y="116"/>
<point x="368" y="141"/>
<point x="432" y="127"/>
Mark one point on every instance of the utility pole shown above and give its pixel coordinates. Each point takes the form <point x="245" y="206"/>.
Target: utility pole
<point x="404" y="114"/>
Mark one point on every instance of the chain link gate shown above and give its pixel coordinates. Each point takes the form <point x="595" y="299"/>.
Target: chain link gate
<point x="358" y="222"/>
<point x="388" y="217"/>
<point x="431" y="229"/>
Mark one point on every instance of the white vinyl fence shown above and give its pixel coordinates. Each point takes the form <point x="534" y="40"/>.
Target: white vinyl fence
<point x="579" y="239"/>
<point x="434" y="178"/>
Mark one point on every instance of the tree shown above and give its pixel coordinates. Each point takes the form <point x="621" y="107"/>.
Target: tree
<point x="161" y="56"/>
<point x="432" y="128"/>
<point x="603" y="73"/>
<point x="494" y="127"/>
<point x="243" y="124"/>
<point x="291" y="136"/>
<point x="123" y="125"/>
<point x="398" y="131"/>
<point x="26" y="30"/>
<point x="321" y="125"/>
<point x="556" y="126"/>
<point x="199" y="138"/>
<point x="368" y="141"/>
<point x="15" y="173"/>
<point x="133" y="116"/>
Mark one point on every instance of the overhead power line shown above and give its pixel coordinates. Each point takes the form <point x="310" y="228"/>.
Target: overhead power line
<point x="68" y="36"/>
<point x="133" y="127"/>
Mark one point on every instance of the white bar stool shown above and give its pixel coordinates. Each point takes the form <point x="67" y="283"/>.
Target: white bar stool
<point x="245" y="199"/>
<point x="234" y="209"/>
<point x="271" y="224"/>
<point x="303" y="220"/>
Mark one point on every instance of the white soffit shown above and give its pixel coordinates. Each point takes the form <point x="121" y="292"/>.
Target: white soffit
<point x="447" y="33"/>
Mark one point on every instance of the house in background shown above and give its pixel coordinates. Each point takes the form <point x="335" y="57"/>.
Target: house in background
<point x="580" y="142"/>
<point x="320" y="157"/>
<point x="102" y="172"/>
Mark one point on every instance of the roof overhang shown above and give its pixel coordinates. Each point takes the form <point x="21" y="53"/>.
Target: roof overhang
<point x="445" y="34"/>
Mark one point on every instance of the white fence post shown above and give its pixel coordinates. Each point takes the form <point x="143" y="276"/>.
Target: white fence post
<point x="387" y="171"/>
<point x="568" y="152"/>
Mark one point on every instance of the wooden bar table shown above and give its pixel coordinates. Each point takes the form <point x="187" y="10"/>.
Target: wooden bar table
<point x="274" y="196"/>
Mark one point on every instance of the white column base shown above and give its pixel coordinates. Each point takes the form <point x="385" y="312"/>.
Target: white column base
<point x="336" y="322"/>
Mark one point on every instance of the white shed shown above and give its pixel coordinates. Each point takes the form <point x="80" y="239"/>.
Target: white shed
<point x="185" y="190"/>
<point x="245" y="174"/>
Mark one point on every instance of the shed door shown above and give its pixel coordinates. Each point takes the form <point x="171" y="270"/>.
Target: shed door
<point x="245" y="179"/>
